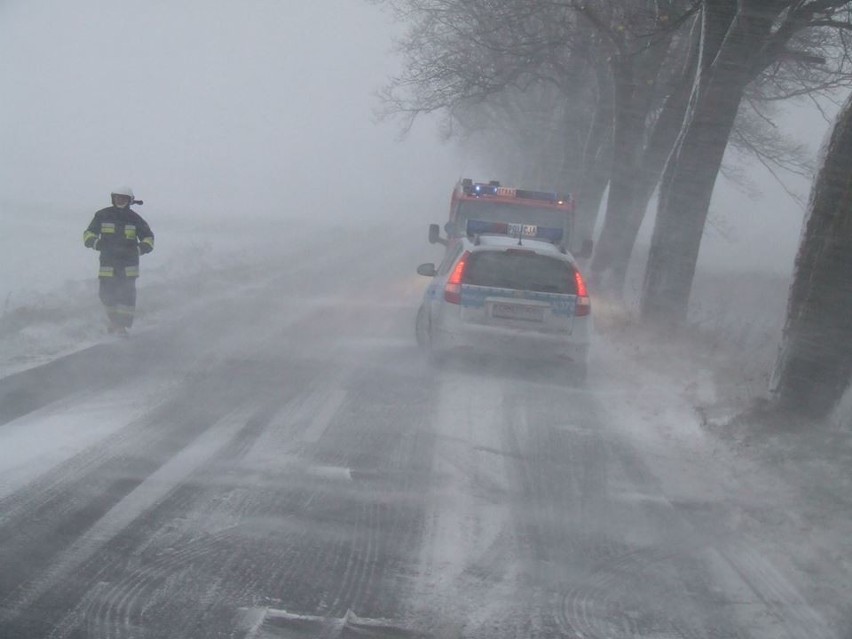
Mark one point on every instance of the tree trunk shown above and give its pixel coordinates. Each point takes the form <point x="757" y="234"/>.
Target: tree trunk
<point x="596" y="164"/>
<point x="662" y="139"/>
<point x="815" y="362"/>
<point x="589" y="196"/>
<point x="635" y="77"/>
<point x="569" y="169"/>
<point x="693" y="166"/>
<point x="628" y="137"/>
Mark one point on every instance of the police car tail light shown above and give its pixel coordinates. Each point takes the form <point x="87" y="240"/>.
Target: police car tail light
<point x="452" y="291"/>
<point x="584" y="305"/>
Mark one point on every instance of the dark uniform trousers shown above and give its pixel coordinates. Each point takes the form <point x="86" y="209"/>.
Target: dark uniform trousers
<point x="118" y="295"/>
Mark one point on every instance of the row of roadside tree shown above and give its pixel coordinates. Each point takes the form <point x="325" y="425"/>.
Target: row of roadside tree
<point x="637" y="97"/>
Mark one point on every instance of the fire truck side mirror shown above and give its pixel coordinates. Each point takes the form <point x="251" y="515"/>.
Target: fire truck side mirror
<point x="435" y="235"/>
<point x="586" y="249"/>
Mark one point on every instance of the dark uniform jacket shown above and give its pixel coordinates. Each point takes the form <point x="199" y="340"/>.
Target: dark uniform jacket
<point x="120" y="235"/>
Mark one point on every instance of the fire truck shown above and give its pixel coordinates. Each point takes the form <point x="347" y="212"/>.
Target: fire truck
<point x="522" y="210"/>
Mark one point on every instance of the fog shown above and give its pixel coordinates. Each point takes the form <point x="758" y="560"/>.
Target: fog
<point x="225" y="108"/>
<point x="267" y="109"/>
<point x="270" y="453"/>
<point x="217" y="114"/>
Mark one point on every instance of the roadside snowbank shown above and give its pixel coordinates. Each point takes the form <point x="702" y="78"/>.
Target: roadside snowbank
<point x="701" y="394"/>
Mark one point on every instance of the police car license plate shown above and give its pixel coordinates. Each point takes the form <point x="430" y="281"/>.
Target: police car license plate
<point x="525" y="230"/>
<point x="523" y="312"/>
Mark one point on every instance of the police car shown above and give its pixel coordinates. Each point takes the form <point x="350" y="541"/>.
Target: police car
<point x="508" y="289"/>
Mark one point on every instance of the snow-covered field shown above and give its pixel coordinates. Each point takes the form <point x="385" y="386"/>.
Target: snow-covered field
<point x="49" y="291"/>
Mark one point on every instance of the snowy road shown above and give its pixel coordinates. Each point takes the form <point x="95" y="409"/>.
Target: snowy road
<point x="285" y="464"/>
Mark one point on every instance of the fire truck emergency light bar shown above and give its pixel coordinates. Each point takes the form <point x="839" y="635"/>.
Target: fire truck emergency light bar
<point x="548" y="234"/>
<point x="478" y="189"/>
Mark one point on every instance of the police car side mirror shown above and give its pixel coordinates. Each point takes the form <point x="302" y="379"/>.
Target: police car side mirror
<point x="586" y="249"/>
<point x="428" y="270"/>
<point x="434" y="234"/>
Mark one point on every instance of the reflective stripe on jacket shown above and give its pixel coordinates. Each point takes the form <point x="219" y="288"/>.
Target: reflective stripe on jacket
<point x="116" y="233"/>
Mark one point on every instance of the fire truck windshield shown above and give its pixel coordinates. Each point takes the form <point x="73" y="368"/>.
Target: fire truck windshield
<point x="495" y="211"/>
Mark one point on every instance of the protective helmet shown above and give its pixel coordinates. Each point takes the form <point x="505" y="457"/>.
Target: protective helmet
<point x="123" y="190"/>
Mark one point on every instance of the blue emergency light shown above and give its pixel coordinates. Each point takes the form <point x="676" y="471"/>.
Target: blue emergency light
<point x="493" y="188"/>
<point x="484" y="189"/>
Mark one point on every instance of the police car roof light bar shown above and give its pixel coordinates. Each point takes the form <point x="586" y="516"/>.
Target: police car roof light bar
<point x="476" y="228"/>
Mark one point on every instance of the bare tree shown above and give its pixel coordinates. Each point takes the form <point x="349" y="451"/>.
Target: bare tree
<point x="654" y="78"/>
<point x="537" y="134"/>
<point x="649" y="84"/>
<point x="460" y="53"/>
<point x="551" y="137"/>
<point x="743" y="42"/>
<point x="815" y="363"/>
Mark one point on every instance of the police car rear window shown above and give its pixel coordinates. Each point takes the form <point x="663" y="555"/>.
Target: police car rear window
<point x="523" y="271"/>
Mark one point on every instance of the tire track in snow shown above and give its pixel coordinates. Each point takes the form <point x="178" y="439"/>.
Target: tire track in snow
<point x="550" y="463"/>
<point x="575" y="568"/>
<point x="465" y="543"/>
<point x="770" y="590"/>
<point x="144" y="496"/>
<point x="52" y="469"/>
<point x="363" y="449"/>
<point x="44" y="519"/>
<point x="115" y="609"/>
<point x="300" y="559"/>
<point x="122" y="603"/>
<point x="88" y="474"/>
<point x="683" y="581"/>
<point x="277" y="416"/>
<point x="370" y="438"/>
<point x="643" y="577"/>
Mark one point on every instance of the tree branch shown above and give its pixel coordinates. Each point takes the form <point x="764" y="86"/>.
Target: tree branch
<point x="834" y="24"/>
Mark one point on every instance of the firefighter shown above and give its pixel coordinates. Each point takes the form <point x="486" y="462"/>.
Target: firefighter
<point x="120" y="235"/>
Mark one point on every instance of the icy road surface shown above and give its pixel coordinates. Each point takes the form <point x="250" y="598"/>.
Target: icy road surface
<point x="283" y="463"/>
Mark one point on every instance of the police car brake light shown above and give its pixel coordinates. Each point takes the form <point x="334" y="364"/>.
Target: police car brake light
<point x="584" y="305"/>
<point x="452" y="291"/>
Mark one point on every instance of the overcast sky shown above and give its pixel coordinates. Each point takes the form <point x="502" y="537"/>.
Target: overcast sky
<point x="202" y="104"/>
<point x="227" y="107"/>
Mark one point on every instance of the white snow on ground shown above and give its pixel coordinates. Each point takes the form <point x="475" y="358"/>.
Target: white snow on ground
<point x="465" y="524"/>
<point x="144" y="496"/>
<point x="41" y="440"/>
<point x="684" y="404"/>
<point x="49" y="292"/>
<point x="47" y="326"/>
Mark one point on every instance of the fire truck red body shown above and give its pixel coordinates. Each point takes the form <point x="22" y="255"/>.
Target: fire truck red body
<point x="491" y="202"/>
